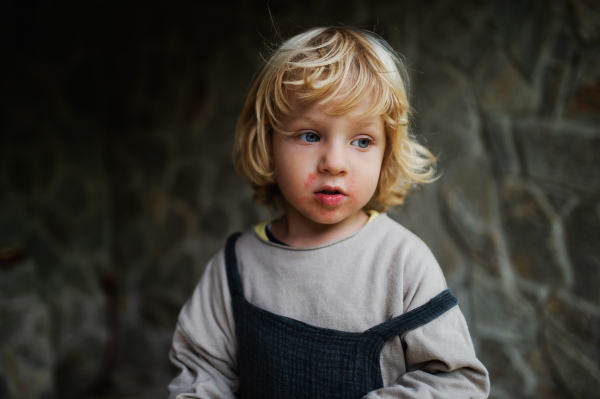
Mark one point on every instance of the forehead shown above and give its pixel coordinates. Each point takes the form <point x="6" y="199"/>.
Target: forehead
<point x="363" y="111"/>
<point x="318" y="115"/>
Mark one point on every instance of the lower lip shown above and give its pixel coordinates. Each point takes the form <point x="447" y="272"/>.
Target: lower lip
<point x="330" y="200"/>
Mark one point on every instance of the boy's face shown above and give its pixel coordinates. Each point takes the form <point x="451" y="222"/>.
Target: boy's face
<point x="328" y="169"/>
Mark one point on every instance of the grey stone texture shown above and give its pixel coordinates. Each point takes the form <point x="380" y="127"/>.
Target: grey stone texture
<point x="117" y="186"/>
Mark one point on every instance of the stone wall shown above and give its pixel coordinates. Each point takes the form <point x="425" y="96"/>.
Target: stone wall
<point x="116" y="183"/>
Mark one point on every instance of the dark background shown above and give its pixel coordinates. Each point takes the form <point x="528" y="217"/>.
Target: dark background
<point x="116" y="182"/>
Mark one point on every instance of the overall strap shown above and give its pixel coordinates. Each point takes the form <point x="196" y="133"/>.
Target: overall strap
<point x="233" y="276"/>
<point x="417" y="317"/>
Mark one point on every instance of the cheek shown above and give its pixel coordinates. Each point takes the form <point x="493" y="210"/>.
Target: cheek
<point x="296" y="185"/>
<point x="351" y="187"/>
<point x="364" y="186"/>
<point x="310" y="180"/>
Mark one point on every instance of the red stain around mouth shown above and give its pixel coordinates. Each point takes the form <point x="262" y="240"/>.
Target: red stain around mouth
<point x="310" y="180"/>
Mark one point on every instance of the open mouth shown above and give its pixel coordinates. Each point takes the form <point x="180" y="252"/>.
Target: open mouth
<point x="330" y="197"/>
<point x="329" y="192"/>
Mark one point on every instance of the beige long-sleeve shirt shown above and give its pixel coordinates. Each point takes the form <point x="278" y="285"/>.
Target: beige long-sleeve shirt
<point x="353" y="284"/>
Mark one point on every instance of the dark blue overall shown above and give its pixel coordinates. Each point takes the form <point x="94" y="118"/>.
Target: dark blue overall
<point x="282" y="358"/>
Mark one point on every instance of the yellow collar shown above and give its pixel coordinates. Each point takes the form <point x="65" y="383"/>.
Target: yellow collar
<point x="261" y="228"/>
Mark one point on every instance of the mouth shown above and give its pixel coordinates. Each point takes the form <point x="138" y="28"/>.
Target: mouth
<point x="330" y="196"/>
<point x="330" y="192"/>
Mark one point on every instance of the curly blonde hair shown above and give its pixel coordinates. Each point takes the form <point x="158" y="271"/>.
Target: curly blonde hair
<point x="324" y="64"/>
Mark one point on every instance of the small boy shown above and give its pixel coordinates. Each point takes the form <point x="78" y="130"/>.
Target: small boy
<point x="333" y="299"/>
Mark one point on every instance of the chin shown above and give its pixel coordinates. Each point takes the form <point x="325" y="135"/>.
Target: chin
<point x="331" y="218"/>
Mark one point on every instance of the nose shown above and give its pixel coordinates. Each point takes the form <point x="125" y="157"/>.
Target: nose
<point x="333" y="159"/>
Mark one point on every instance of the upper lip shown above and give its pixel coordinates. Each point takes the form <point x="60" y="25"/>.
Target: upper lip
<point x="331" y="189"/>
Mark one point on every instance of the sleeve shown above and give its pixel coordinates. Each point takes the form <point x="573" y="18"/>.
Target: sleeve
<point x="440" y="362"/>
<point x="439" y="356"/>
<point x="204" y="346"/>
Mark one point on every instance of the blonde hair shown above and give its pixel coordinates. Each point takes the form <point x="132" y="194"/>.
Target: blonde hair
<point x="324" y="64"/>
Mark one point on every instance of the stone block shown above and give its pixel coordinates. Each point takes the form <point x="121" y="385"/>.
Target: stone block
<point x="531" y="233"/>
<point x="215" y="221"/>
<point x="509" y="372"/>
<point x="140" y="355"/>
<point x="497" y="131"/>
<point x="58" y="226"/>
<point x="187" y="183"/>
<point x="587" y="14"/>
<point x="572" y="342"/>
<point x="174" y="227"/>
<point x="164" y="288"/>
<point x="583" y="100"/>
<point x="500" y="85"/>
<point x="79" y="367"/>
<point x="150" y="156"/>
<point x="525" y="28"/>
<point x="81" y="332"/>
<point x="467" y="207"/>
<point x="131" y="243"/>
<point x="456" y="33"/>
<point x="220" y="123"/>
<point x="562" y="199"/>
<point x="27" y="356"/>
<point x="561" y="153"/>
<point x="180" y="280"/>
<point x="502" y="314"/>
<point x="545" y="383"/>
<point x="421" y="215"/>
<point x="552" y="81"/>
<point x="447" y="115"/>
<point x="90" y="235"/>
<point x="563" y="46"/>
<point x="42" y="251"/>
<point x="582" y="227"/>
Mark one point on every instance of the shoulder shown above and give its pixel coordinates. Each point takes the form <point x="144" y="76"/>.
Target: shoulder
<point x="422" y="275"/>
<point x="210" y="298"/>
<point x="390" y="235"/>
<point x="213" y="278"/>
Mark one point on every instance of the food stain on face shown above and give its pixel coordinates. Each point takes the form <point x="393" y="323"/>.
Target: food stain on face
<point x="310" y="180"/>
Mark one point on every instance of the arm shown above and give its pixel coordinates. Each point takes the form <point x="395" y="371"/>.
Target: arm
<point x="439" y="359"/>
<point x="204" y="346"/>
<point x="440" y="363"/>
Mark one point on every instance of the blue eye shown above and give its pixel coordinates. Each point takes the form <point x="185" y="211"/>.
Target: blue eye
<point x="362" y="143"/>
<point x="309" y="137"/>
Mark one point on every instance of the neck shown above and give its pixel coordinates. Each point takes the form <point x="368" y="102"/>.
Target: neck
<point x="297" y="231"/>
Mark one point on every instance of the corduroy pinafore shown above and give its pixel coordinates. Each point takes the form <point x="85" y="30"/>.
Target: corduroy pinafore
<point x="282" y="358"/>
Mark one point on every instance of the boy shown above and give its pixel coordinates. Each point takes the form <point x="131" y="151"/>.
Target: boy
<point x="332" y="299"/>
